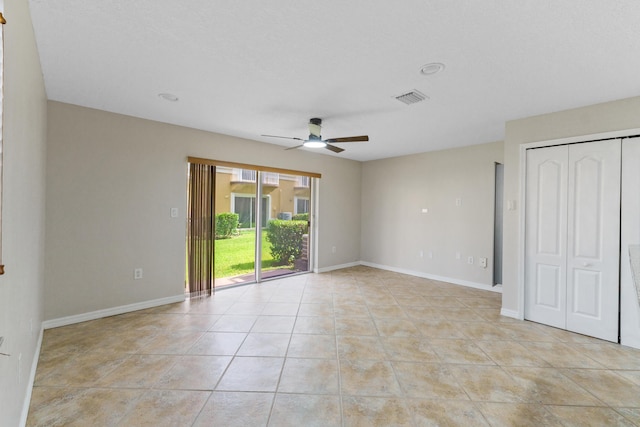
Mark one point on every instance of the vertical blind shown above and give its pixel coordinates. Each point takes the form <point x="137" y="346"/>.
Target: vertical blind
<point x="201" y="229"/>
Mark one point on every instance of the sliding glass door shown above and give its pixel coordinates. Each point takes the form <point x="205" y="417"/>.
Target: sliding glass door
<point x="261" y="218"/>
<point x="286" y="236"/>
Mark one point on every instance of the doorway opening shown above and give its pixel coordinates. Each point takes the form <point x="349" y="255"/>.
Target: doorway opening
<point x="497" y="225"/>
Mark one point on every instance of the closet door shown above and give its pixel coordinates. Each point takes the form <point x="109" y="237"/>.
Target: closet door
<point x="593" y="243"/>
<point x="546" y="236"/>
<point x="573" y="237"/>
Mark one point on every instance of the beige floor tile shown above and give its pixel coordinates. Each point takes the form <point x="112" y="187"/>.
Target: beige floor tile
<point x="316" y="346"/>
<point x="171" y="342"/>
<point x="351" y="309"/>
<point x="218" y="344"/>
<point x="252" y="374"/>
<point x="428" y="380"/>
<point x="408" y="349"/>
<point x="80" y="370"/>
<point x="231" y="409"/>
<point x="510" y="353"/>
<point x="280" y="309"/>
<point x="560" y="355"/>
<point x="259" y="344"/>
<point x="356" y="347"/>
<point x="139" y="371"/>
<point x="296" y="410"/>
<point x="316" y="309"/>
<point x="632" y="414"/>
<point x="246" y="308"/>
<point x="525" y="331"/>
<point x="166" y="408"/>
<point x="314" y="325"/>
<point x="234" y="323"/>
<point x="445" y="413"/>
<point x="460" y="351"/>
<point x="375" y="411"/>
<point x="274" y="324"/>
<point x="312" y="376"/>
<point x="577" y="416"/>
<point x="550" y="386"/>
<point x="613" y="356"/>
<point x="438" y="328"/>
<point x="611" y="388"/>
<point x="55" y="406"/>
<point x="482" y="331"/>
<point x="355" y="326"/>
<point x="194" y="373"/>
<point x="368" y="378"/>
<point x="389" y="327"/>
<point x="387" y="311"/>
<point x="489" y="384"/>
<point x="633" y="376"/>
<point x="521" y="415"/>
<point x="412" y="351"/>
<point x="460" y="314"/>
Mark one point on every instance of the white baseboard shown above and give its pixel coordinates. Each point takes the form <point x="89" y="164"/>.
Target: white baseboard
<point x="98" y="314"/>
<point x="455" y="281"/>
<point x="337" y="267"/>
<point x="32" y="378"/>
<point x="510" y="313"/>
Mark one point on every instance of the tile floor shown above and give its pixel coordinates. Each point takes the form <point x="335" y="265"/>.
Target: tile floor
<point x="355" y="347"/>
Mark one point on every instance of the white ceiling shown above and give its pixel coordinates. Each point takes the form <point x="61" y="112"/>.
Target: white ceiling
<point x="253" y="67"/>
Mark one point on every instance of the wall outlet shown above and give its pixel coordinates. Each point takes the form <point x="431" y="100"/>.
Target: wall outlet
<point x="425" y="210"/>
<point x="458" y="201"/>
<point x="333" y="249"/>
<point x="174" y="212"/>
<point x="482" y="262"/>
<point x="470" y="260"/>
<point x="457" y="255"/>
<point x="421" y="254"/>
<point x="137" y="273"/>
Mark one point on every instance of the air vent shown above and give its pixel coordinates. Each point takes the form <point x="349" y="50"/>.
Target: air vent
<point x="412" y="97"/>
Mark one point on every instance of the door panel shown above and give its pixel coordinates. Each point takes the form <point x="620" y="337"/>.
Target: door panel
<point x="594" y="239"/>
<point x="572" y="237"/>
<point x="546" y="230"/>
<point x="630" y="235"/>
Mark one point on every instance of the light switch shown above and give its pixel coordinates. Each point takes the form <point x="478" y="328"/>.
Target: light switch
<point x="174" y="212"/>
<point x="425" y="210"/>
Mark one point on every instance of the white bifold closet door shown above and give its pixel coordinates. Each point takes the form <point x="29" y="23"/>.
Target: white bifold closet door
<point x="573" y="237"/>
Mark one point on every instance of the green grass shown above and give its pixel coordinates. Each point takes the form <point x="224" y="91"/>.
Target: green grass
<point x="235" y="256"/>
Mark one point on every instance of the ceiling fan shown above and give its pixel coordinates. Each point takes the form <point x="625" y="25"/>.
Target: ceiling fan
<point x="315" y="139"/>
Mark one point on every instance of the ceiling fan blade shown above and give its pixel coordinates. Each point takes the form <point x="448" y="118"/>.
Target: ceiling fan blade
<point x="284" y="137"/>
<point x="293" y="148"/>
<point x="362" y="138"/>
<point x="334" y="148"/>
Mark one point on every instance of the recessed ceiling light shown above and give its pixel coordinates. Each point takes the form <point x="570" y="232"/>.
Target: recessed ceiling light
<point x="168" y="97"/>
<point x="431" y="69"/>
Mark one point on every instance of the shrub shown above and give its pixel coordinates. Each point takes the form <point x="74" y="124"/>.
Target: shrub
<point x="226" y="225"/>
<point x="300" y="217"/>
<point x="286" y="239"/>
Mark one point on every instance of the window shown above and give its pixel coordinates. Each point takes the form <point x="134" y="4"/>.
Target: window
<point x="245" y="204"/>
<point x="302" y="181"/>
<point x="301" y="205"/>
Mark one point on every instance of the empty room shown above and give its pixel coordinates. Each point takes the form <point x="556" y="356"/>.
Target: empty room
<point x="300" y="213"/>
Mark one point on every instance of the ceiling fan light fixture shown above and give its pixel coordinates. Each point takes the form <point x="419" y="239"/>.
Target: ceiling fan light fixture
<point x="314" y="143"/>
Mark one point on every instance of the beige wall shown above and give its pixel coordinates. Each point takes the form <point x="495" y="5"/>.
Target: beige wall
<point x="594" y="119"/>
<point x="111" y="182"/>
<point x="21" y="288"/>
<point x="394" y="229"/>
